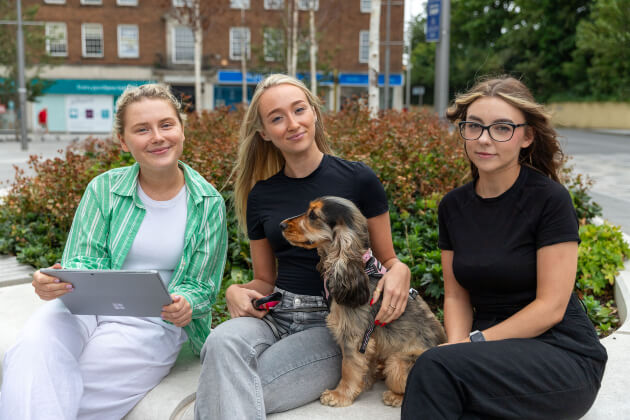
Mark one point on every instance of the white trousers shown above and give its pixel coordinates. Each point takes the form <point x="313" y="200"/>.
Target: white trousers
<point x="66" y="366"/>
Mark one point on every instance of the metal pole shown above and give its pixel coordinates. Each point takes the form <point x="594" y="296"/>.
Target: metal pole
<point x="21" y="82"/>
<point x="408" y="78"/>
<point x="442" y="60"/>
<point x="387" y="51"/>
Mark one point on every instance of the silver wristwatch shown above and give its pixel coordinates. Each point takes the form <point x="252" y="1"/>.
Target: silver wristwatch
<point x="476" y="336"/>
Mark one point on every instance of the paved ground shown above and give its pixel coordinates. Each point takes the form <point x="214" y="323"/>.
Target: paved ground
<point x="604" y="157"/>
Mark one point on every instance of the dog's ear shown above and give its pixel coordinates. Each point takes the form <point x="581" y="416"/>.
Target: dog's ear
<point x="348" y="283"/>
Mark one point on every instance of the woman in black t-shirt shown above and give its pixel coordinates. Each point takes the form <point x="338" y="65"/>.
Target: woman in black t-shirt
<point x="520" y="346"/>
<point x="269" y="361"/>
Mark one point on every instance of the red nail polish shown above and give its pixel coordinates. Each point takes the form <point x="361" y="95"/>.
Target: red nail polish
<point x="377" y="322"/>
<point x="383" y="324"/>
<point x="371" y="301"/>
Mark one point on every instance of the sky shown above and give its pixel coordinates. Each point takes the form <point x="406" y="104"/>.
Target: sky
<point x="413" y="8"/>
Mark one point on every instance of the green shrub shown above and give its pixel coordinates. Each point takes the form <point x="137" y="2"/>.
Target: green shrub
<point x="604" y="317"/>
<point x="600" y="257"/>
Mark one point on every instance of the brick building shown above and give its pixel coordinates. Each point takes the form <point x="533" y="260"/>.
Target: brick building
<point x="104" y="45"/>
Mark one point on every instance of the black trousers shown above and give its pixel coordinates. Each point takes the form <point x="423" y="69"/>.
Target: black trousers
<point x="508" y="379"/>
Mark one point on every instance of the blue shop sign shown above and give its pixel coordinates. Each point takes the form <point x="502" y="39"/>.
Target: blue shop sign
<point x="228" y="77"/>
<point x="360" y="79"/>
<point x="92" y="87"/>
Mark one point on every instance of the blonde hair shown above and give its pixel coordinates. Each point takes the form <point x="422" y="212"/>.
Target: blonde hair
<point x="136" y="93"/>
<point x="258" y="159"/>
<point x="544" y="153"/>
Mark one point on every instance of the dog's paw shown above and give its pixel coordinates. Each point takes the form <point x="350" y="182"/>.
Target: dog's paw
<point x="392" y="399"/>
<point x="334" y="398"/>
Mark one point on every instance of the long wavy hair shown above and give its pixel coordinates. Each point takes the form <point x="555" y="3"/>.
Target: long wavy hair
<point x="544" y="153"/>
<point x="258" y="159"/>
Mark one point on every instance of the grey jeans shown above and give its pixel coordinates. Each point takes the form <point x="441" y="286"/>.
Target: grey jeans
<point x="247" y="371"/>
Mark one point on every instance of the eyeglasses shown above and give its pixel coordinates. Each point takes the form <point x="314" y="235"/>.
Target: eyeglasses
<point x="502" y="131"/>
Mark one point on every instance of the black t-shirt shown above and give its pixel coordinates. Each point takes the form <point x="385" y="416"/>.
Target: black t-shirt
<point x="280" y="197"/>
<point x="494" y="243"/>
<point x="495" y="239"/>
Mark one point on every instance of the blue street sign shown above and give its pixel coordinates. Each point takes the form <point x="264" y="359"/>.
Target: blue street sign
<point x="433" y="20"/>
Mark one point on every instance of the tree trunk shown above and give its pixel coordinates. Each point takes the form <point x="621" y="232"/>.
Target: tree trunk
<point x="197" y="34"/>
<point x="289" y="37"/>
<point x="294" y="42"/>
<point x="373" y="61"/>
<point x="243" y="58"/>
<point x="313" y="47"/>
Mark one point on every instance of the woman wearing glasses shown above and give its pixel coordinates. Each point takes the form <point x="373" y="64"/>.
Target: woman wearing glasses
<point x="520" y="345"/>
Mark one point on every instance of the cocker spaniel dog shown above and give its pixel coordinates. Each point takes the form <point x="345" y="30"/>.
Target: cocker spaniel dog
<point x="339" y="232"/>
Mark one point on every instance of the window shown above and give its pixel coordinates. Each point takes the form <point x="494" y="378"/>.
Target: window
<point x="183" y="45"/>
<point x="273" y="39"/>
<point x="57" y="39"/>
<point x="182" y="3"/>
<point x="128" y="41"/>
<point x="274" y="4"/>
<point x="239" y="4"/>
<point x="92" y="39"/>
<point x="127" y="2"/>
<point x="306" y="4"/>
<point x="364" y="46"/>
<point x="92" y="2"/>
<point x="366" y="6"/>
<point x="238" y="36"/>
<point x="55" y="1"/>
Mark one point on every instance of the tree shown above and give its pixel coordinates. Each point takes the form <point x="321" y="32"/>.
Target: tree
<point x="196" y="15"/>
<point x="35" y="55"/>
<point x="374" y="58"/>
<point x="243" y="59"/>
<point x="530" y="39"/>
<point x="605" y="36"/>
<point x="312" y="46"/>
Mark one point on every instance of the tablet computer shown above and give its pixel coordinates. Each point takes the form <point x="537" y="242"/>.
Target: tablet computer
<point x="113" y="292"/>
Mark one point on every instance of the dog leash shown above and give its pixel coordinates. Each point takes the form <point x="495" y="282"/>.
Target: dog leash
<point x="413" y="293"/>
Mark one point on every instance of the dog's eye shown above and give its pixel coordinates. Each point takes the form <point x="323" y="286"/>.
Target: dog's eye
<point x="312" y="216"/>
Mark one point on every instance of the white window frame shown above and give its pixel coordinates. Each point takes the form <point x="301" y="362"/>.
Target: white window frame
<point x="364" y="45"/>
<point x="182" y="3"/>
<point x="239" y="4"/>
<point x="92" y="2"/>
<point x="63" y="38"/>
<point x="126" y="2"/>
<point x="55" y="1"/>
<point x="366" y="6"/>
<point x="274" y="4"/>
<point x="248" y="39"/>
<point x="305" y="5"/>
<point x="174" y="45"/>
<point x="84" y="28"/>
<point x="267" y="32"/>
<point x="121" y="48"/>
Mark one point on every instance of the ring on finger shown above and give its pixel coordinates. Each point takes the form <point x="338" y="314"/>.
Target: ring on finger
<point x="392" y="306"/>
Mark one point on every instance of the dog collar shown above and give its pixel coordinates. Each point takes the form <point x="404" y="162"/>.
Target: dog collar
<point x="373" y="267"/>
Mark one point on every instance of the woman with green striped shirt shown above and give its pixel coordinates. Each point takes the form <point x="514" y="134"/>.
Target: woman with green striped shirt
<point x="156" y="214"/>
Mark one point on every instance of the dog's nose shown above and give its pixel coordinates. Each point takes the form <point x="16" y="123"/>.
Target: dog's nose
<point x="283" y="225"/>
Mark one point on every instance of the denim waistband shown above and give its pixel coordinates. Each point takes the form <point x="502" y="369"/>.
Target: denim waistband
<point x="293" y="301"/>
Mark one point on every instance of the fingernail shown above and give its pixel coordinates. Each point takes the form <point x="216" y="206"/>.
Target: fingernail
<point x="383" y="324"/>
<point x="377" y="322"/>
<point x="69" y="286"/>
<point x="371" y="301"/>
<point x="56" y="280"/>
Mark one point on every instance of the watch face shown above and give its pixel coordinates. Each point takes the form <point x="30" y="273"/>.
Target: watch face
<point x="477" y="336"/>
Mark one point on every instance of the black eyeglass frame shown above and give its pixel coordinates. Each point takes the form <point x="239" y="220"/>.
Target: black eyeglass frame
<point x="487" y="127"/>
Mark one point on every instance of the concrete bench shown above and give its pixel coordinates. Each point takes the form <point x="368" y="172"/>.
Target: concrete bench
<point x="173" y="398"/>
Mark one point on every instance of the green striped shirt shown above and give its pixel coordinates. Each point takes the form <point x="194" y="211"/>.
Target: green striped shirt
<point x="107" y="221"/>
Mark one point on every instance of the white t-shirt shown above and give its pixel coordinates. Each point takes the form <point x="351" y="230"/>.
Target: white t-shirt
<point x="160" y="239"/>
